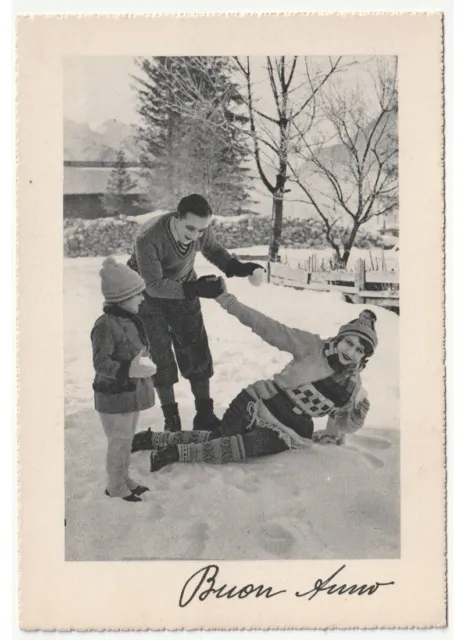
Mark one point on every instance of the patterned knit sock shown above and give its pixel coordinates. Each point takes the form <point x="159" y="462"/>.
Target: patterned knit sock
<point x="218" y="451"/>
<point x="163" y="439"/>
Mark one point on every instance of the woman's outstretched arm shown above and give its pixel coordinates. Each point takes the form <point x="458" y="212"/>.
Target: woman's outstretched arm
<point x="295" y="341"/>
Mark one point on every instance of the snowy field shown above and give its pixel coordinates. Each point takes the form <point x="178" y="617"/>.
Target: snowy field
<point x="325" y="502"/>
<point x="296" y="257"/>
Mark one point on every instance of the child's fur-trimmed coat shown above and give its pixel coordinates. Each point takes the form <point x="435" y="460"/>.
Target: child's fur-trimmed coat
<point x="117" y="338"/>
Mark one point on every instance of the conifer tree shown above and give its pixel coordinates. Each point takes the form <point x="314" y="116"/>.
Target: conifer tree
<point x="120" y="184"/>
<point x="182" y="154"/>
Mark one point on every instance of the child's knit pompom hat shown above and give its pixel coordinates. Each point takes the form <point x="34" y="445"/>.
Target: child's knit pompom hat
<point x="119" y="282"/>
<point x="364" y="328"/>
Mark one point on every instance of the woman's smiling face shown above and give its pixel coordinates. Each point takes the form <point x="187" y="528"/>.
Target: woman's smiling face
<point x="350" y="350"/>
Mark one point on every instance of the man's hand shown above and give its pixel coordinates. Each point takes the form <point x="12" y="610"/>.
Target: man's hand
<point x="204" y="287"/>
<point x="237" y="269"/>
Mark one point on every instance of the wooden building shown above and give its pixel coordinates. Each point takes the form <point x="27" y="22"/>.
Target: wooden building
<point x="84" y="184"/>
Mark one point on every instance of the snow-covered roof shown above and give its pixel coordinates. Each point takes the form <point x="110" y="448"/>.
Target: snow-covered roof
<point x="91" y="180"/>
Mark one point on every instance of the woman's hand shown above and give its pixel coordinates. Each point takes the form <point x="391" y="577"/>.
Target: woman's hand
<point x="363" y="406"/>
<point x="323" y="437"/>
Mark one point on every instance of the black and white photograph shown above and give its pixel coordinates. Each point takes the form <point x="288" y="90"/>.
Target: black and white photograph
<point x="231" y="322"/>
<point x="231" y="307"/>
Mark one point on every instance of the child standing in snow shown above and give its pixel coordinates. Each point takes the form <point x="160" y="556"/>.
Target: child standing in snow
<point x="122" y="384"/>
<point x="271" y="416"/>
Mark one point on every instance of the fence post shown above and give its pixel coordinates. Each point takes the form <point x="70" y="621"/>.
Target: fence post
<point x="359" y="280"/>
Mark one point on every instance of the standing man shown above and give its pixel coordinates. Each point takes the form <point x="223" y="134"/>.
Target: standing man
<point x="164" y="256"/>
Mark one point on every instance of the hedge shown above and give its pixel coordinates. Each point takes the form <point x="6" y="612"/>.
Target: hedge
<point x="105" y="236"/>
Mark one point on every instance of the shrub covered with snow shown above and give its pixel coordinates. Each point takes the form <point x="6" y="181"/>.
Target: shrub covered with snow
<point x="99" y="237"/>
<point x="104" y="236"/>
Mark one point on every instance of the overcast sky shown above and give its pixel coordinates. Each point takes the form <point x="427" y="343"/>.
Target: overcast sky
<point x="99" y="88"/>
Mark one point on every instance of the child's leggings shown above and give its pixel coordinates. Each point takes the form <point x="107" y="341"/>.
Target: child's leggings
<point x="119" y="429"/>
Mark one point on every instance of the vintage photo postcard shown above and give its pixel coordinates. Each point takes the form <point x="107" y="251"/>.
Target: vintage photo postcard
<point x="230" y="267"/>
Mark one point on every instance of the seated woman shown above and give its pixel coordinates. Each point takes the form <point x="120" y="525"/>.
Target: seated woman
<point x="274" y="415"/>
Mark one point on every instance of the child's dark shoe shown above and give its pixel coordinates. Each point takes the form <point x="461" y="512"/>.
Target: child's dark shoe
<point x="130" y="498"/>
<point x="138" y="491"/>
<point x="142" y="441"/>
<point x="163" y="457"/>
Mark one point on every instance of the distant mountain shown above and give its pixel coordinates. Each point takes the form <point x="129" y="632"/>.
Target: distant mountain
<point x="321" y="187"/>
<point x="81" y="142"/>
<point x="339" y="153"/>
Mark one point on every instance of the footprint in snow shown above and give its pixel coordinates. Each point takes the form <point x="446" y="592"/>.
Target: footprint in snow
<point x="372" y="460"/>
<point x="157" y="511"/>
<point x="276" y="539"/>
<point x="251" y="485"/>
<point x="371" y="442"/>
<point x="197" y="535"/>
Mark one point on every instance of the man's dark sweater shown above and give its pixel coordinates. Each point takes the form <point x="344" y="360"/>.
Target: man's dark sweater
<point x="165" y="265"/>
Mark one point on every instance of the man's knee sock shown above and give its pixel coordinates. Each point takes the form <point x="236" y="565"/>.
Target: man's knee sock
<point x="163" y="439"/>
<point x="218" y="451"/>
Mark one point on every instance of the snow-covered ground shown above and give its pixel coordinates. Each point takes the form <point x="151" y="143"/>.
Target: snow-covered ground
<point x="296" y="257"/>
<point x="326" y="502"/>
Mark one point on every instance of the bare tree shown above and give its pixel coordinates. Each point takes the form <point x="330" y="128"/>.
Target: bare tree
<point x="293" y="83"/>
<point x="274" y="134"/>
<point x="356" y="179"/>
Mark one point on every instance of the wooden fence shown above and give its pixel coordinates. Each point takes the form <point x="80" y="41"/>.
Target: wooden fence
<point x="362" y="286"/>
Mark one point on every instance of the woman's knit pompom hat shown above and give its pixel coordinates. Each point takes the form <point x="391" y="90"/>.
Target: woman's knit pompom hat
<point x="364" y="328"/>
<point x="119" y="282"/>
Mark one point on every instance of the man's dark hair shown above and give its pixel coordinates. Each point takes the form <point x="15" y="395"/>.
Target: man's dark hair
<point x="195" y="204"/>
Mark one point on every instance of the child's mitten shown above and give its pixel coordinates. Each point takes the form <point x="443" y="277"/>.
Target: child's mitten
<point x="142" y="367"/>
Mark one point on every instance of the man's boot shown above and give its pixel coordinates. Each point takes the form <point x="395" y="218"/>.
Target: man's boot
<point x="172" y="417"/>
<point x="205" y="419"/>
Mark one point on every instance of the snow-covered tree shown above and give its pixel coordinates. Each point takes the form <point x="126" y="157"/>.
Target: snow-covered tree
<point x="185" y="147"/>
<point x="119" y="187"/>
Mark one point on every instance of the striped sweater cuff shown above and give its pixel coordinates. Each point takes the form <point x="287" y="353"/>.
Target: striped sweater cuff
<point x="226" y="300"/>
